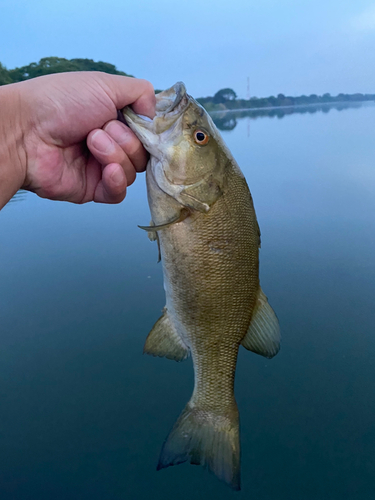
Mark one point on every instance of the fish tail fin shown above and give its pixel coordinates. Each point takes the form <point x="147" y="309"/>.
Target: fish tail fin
<point x="205" y="438"/>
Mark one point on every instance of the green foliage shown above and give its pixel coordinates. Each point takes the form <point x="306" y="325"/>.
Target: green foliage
<point x="4" y="75"/>
<point x="226" y="99"/>
<point x="49" y="65"/>
<point x="224" y="95"/>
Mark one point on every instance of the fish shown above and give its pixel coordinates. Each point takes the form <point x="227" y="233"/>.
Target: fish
<point x="203" y="218"/>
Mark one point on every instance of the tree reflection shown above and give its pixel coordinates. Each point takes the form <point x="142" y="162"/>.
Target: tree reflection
<point x="227" y="120"/>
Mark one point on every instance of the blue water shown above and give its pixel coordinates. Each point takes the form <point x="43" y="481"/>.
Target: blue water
<point x="83" y="413"/>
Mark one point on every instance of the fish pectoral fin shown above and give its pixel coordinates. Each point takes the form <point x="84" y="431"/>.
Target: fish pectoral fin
<point x="164" y="341"/>
<point x="194" y="203"/>
<point x="202" y="195"/>
<point x="184" y="213"/>
<point x="263" y="335"/>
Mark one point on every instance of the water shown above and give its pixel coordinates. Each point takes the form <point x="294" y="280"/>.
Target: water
<point x="83" y="413"/>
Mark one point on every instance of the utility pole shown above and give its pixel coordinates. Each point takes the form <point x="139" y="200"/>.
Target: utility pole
<point x="248" y="98"/>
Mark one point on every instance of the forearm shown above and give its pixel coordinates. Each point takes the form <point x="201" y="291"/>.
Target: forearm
<point x="12" y="153"/>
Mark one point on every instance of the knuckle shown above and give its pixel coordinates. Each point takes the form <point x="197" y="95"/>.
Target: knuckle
<point x="149" y="88"/>
<point x="133" y="147"/>
<point x="117" y="191"/>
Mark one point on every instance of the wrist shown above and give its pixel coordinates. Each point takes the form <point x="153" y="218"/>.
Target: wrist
<point x="12" y="150"/>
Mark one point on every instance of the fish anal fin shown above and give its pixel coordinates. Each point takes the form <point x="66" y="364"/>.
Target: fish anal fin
<point x="263" y="335"/>
<point x="164" y="341"/>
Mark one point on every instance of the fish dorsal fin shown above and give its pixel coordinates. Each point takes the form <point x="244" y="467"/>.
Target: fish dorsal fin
<point x="164" y="341"/>
<point x="263" y="335"/>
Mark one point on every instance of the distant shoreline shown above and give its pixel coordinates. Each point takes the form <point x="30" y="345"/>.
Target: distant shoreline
<point x="289" y="106"/>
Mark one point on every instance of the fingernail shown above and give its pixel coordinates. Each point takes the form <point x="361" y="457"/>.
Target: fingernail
<point x="118" y="176"/>
<point x="102" y="142"/>
<point x="118" y="132"/>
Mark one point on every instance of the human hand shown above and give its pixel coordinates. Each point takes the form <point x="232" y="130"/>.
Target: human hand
<point x="72" y="147"/>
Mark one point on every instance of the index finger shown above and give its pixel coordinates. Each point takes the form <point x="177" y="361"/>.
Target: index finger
<point x="125" y="91"/>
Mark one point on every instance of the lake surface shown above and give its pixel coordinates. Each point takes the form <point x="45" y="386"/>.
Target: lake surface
<point x="83" y="413"/>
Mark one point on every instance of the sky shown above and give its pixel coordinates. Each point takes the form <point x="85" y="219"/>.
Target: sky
<point x="292" y="47"/>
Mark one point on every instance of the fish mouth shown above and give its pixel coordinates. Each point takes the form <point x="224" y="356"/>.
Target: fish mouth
<point x="168" y="100"/>
<point x="170" y="104"/>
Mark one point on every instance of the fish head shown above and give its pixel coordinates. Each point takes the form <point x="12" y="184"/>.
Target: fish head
<point x="187" y="154"/>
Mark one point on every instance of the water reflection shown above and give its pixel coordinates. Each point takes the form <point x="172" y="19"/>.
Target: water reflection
<point x="227" y="120"/>
<point x="83" y="412"/>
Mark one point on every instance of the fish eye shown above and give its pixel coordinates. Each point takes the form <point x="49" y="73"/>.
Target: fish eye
<point x="201" y="137"/>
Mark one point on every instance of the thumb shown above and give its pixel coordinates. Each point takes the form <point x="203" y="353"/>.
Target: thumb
<point x="125" y="90"/>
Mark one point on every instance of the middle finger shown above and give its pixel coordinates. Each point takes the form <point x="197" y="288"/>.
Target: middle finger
<point x="106" y="150"/>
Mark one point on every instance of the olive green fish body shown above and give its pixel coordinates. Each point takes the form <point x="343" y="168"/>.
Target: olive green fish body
<point x="211" y="268"/>
<point x="204" y="220"/>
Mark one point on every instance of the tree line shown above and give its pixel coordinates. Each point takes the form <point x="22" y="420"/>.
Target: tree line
<point x="224" y="99"/>
<point x="49" y="65"/>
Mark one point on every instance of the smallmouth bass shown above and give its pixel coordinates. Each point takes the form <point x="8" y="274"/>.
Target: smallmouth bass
<point x="204" y="221"/>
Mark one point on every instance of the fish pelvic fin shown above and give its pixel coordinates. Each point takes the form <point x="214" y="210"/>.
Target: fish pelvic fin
<point x="164" y="341"/>
<point x="263" y="335"/>
<point x="153" y="236"/>
<point x="205" y="438"/>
